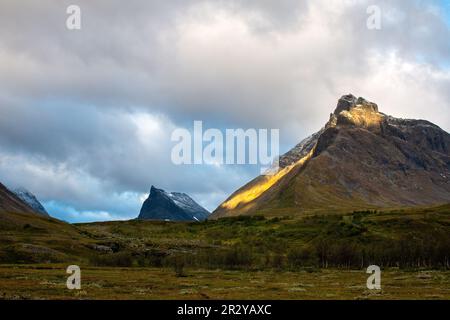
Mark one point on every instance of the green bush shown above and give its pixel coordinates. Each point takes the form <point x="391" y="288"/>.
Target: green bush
<point x="119" y="259"/>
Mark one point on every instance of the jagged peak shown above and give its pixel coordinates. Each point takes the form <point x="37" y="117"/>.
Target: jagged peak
<point x="163" y="205"/>
<point x="349" y="101"/>
<point x="30" y="199"/>
<point x="154" y="190"/>
<point x="351" y="110"/>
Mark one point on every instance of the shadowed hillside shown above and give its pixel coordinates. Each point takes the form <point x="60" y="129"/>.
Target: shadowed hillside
<point x="32" y="238"/>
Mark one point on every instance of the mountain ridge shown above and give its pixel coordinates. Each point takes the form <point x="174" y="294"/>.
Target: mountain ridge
<point x="31" y="200"/>
<point x="11" y="203"/>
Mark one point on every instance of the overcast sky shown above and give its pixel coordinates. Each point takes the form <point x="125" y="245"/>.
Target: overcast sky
<point x="86" y="115"/>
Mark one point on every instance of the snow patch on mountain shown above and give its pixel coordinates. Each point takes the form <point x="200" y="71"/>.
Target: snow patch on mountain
<point x="30" y="199"/>
<point x="172" y="206"/>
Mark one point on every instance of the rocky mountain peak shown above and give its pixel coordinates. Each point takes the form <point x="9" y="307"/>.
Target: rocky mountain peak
<point x="355" y="112"/>
<point x="350" y="111"/>
<point x="173" y="206"/>
<point x="31" y="200"/>
<point x="154" y="190"/>
<point x="10" y="202"/>
<point x="349" y="102"/>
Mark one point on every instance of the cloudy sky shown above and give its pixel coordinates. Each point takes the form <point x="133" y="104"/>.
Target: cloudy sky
<point x="86" y="115"/>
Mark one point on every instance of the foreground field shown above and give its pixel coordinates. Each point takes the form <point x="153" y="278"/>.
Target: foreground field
<point x="49" y="282"/>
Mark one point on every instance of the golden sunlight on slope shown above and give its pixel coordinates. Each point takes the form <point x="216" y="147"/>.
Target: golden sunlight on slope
<point x="258" y="189"/>
<point x="361" y="116"/>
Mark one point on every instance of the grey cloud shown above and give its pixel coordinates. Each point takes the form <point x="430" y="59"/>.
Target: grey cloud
<point x="198" y="57"/>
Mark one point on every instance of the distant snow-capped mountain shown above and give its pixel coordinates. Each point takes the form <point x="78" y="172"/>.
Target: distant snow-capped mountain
<point x="10" y="203"/>
<point x="31" y="200"/>
<point x="173" y="206"/>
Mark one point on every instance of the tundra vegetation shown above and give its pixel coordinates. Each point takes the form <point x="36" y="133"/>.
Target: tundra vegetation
<point x="246" y="252"/>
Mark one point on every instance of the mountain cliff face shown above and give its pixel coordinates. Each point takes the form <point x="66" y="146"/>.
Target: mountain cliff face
<point x="360" y="159"/>
<point x="173" y="206"/>
<point x="10" y="203"/>
<point x="31" y="200"/>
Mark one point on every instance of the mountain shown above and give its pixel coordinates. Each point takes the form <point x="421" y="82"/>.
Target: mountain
<point x="360" y="159"/>
<point x="10" y="203"/>
<point x="173" y="206"/>
<point x="30" y="199"/>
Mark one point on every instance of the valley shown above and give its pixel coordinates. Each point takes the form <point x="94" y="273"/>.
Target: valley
<point x="313" y="256"/>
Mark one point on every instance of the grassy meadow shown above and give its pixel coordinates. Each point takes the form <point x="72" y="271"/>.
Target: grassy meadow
<point x="49" y="282"/>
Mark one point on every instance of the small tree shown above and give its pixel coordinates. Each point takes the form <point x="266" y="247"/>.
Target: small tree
<point x="179" y="264"/>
